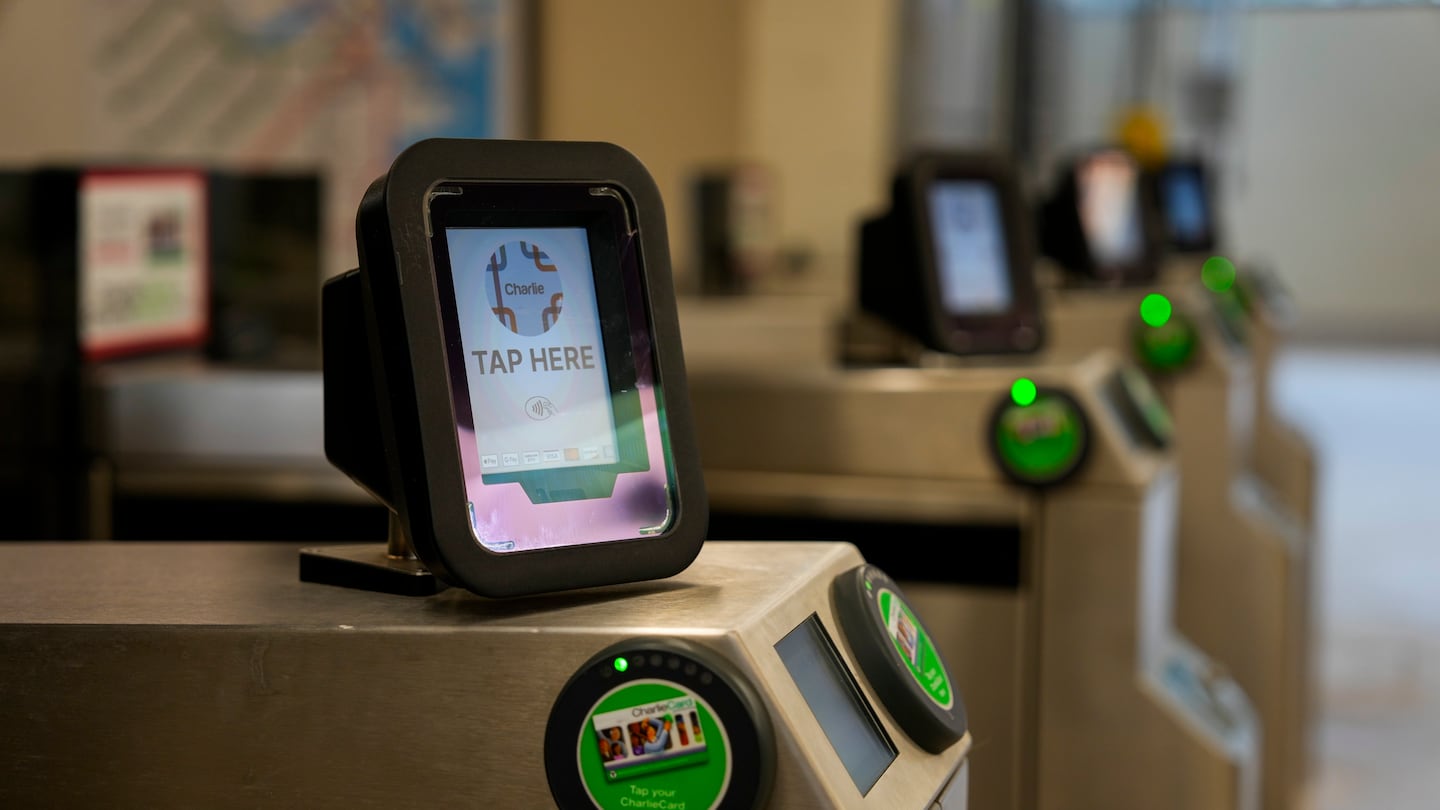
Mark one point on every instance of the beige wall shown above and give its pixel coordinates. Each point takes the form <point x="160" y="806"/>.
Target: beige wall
<point x="657" y="77"/>
<point x="820" y="110"/>
<point x="42" y="85"/>
<point x="686" y="84"/>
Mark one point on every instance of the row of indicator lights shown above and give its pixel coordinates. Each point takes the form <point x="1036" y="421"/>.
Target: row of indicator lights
<point x="622" y="664"/>
<point x="1218" y="275"/>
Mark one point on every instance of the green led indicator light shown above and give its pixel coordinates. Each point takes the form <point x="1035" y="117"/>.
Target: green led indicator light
<point x="1023" y="392"/>
<point x="621" y="665"/>
<point x="1155" y="310"/>
<point x="868" y="586"/>
<point x="1218" y="274"/>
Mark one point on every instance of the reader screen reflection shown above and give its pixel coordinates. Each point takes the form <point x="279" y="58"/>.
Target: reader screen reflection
<point x="969" y="247"/>
<point x="1110" y="209"/>
<point x="1185" y="205"/>
<point x="835" y="699"/>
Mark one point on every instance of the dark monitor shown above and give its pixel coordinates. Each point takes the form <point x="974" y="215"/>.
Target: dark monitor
<point x="1183" y="190"/>
<point x="45" y="469"/>
<point x="951" y="261"/>
<point x="20" y="276"/>
<point x="1101" y="222"/>
<point x="265" y="263"/>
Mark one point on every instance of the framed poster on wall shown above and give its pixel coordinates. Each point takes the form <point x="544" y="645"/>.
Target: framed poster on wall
<point x="144" y="261"/>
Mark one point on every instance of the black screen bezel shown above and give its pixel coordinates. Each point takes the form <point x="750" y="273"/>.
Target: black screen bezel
<point x="410" y="376"/>
<point x="1017" y="328"/>
<point x="1064" y="236"/>
<point x="600" y="211"/>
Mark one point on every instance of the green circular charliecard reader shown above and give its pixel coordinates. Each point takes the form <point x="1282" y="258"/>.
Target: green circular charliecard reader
<point x="1167" y="347"/>
<point x="660" y="724"/>
<point x="899" y="658"/>
<point x="1040" y="443"/>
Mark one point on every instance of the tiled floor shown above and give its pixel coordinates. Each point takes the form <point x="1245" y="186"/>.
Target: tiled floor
<point x="1374" y="417"/>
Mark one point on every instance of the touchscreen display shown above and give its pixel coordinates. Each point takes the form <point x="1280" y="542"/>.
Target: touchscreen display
<point x="969" y="247"/>
<point x="558" y="417"/>
<point x="1185" y="208"/>
<point x="1110" y="209"/>
<point x="837" y="703"/>
<point x="1136" y="404"/>
<point x="535" y="362"/>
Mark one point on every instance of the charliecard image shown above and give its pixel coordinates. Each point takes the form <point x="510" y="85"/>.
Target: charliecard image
<point x="658" y="735"/>
<point x="904" y="632"/>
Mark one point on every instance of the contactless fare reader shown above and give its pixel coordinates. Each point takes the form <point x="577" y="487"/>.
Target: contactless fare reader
<point x="1236" y="536"/>
<point x="1026" y="502"/>
<point x="503" y="372"/>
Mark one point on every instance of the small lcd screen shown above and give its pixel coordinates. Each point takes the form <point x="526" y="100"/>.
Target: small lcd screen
<point x="970" y="247"/>
<point x="531" y="329"/>
<point x="1138" y="408"/>
<point x="1186" y="213"/>
<point x="1109" y="199"/>
<point x="558" y="416"/>
<point x="835" y="699"/>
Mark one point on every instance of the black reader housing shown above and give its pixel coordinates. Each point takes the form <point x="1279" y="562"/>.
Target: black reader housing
<point x="951" y="261"/>
<point x="1101" y="222"/>
<point x="403" y="363"/>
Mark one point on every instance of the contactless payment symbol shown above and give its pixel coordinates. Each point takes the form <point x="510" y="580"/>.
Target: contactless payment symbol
<point x="524" y="290"/>
<point x="540" y="408"/>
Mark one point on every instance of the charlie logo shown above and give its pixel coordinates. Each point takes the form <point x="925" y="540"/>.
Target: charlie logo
<point x="524" y="290"/>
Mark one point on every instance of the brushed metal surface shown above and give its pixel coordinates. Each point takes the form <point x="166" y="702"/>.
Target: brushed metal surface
<point x="1105" y="637"/>
<point x="1282" y="456"/>
<point x="1066" y="709"/>
<point x="1260" y="629"/>
<point x="206" y="675"/>
<point x="1255" y="558"/>
<point x="903" y="423"/>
